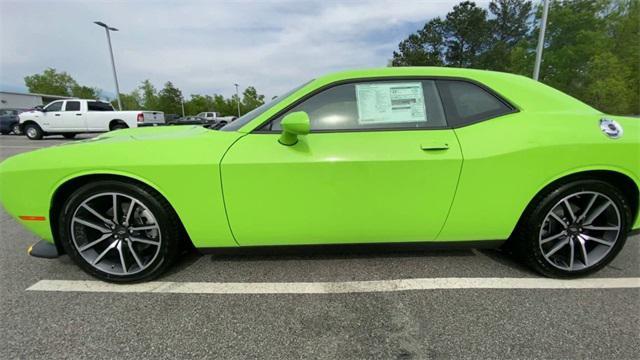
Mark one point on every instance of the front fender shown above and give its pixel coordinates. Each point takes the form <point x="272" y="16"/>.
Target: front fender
<point x="185" y="170"/>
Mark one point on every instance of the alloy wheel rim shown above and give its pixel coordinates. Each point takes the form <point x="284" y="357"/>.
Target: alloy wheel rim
<point x="16" y="129"/>
<point x="116" y="233"/>
<point x="579" y="231"/>
<point x="31" y="132"/>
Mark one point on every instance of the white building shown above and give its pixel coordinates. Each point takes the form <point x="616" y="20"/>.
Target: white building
<point x="17" y="100"/>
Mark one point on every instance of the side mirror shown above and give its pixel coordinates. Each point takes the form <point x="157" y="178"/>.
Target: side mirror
<point x="39" y="108"/>
<point x="293" y="125"/>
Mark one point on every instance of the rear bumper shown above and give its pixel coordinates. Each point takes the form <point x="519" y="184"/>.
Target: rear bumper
<point x="6" y="125"/>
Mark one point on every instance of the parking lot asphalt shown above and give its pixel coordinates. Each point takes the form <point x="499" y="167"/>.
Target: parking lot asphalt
<point x="418" y="324"/>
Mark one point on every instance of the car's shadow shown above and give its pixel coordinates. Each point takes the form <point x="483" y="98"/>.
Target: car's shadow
<point x="340" y="252"/>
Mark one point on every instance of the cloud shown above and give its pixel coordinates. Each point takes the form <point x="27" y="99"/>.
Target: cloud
<point x="205" y="47"/>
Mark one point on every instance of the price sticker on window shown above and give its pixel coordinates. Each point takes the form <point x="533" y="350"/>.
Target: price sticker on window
<point x="380" y="103"/>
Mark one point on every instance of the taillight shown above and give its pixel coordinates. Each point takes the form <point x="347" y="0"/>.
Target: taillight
<point x="140" y="117"/>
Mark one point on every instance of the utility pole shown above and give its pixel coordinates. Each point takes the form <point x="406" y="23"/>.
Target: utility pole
<point x="543" y="28"/>
<point x="182" y="101"/>
<point x="113" y="63"/>
<point x="238" y="99"/>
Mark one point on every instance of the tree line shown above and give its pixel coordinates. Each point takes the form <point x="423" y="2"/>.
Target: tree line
<point x="146" y="97"/>
<point x="591" y="49"/>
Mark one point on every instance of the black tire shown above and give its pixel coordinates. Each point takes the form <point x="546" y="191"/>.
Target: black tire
<point x="69" y="136"/>
<point x="166" y="219"/>
<point x="118" y="125"/>
<point x="33" y="131"/>
<point x="16" y="129"/>
<point x="528" y="237"/>
<point x="5" y="132"/>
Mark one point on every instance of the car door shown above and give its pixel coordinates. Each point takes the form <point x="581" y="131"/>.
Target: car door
<point x="52" y="116"/>
<point x="73" y="118"/>
<point x="380" y="165"/>
<point x="99" y="114"/>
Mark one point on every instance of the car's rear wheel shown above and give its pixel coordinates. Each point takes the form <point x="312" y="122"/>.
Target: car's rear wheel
<point x="33" y="131"/>
<point x="575" y="230"/>
<point x="119" y="232"/>
<point x="16" y="129"/>
<point x="5" y="132"/>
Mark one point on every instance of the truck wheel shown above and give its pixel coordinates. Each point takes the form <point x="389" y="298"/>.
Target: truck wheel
<point x="118" y="125"/>
<point x="69" y="136"/>
<point x="33" y="131"/>
<point x="16" y="129"/>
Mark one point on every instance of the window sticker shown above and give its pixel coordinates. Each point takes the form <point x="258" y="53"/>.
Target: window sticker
<point x="390" y="103"/>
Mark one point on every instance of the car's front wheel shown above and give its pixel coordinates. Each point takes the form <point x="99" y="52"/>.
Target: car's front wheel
<point x="119" y="232"/>
<point x="33" y="131"/>
<point x="574" y="230"/>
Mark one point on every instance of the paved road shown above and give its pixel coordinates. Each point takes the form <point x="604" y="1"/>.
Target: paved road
<point x="424" y="324"/>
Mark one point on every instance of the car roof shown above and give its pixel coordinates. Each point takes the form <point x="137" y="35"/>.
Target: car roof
<point x="521" y="91"/>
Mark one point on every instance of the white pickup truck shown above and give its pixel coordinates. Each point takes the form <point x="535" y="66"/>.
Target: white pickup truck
<point x="72" y="116"/>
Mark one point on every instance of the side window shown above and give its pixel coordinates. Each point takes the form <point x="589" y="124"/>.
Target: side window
<point x="54" y="106"/>
<point x="466" y="103"/>
<point x="397" y="104"/>
<point x="99" y="106"/>
<point x="72" y="106"/>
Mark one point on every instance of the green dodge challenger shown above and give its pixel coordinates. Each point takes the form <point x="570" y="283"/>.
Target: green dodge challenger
<point x="396" y="155"/>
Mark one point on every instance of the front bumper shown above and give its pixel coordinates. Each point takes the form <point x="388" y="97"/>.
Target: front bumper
<point x="43" y="249"/>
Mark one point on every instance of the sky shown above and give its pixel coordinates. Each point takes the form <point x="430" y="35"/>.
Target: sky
<point x="204" y="47"/>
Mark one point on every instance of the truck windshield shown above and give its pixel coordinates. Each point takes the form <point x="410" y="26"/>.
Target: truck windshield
<point x="246" y="118"/>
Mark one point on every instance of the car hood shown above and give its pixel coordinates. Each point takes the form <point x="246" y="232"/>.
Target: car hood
<point x="121" y="148"/>
<point x="30" y="114"/>
<point x="150" y="133"/>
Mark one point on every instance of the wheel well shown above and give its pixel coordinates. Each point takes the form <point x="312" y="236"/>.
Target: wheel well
<point x="115" y="122"/>
<point x="625" y="184"/>
<point x="28" y="122"/>
<point x="65" y="190"/>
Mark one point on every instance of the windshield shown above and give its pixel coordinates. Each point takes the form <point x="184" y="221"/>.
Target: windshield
<point x="246" y="118"/>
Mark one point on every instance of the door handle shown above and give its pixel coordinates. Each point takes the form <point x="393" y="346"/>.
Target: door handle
<point x="434" y="146"/>
<point x="57" y="114"/>
<point x="78" y="114"/>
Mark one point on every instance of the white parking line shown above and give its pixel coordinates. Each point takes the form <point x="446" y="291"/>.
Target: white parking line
<point x="334" y="287"/>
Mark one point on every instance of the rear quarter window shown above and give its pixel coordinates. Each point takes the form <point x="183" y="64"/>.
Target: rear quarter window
<point x="99" y="106"/>
<point x="467" y="103"/>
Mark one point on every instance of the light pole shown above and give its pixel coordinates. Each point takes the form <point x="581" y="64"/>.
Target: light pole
<point x="182" y="101"/>
<point x="543" y="28"/>
<point x="113" y="63"/>
<point x="237" y="98"/>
